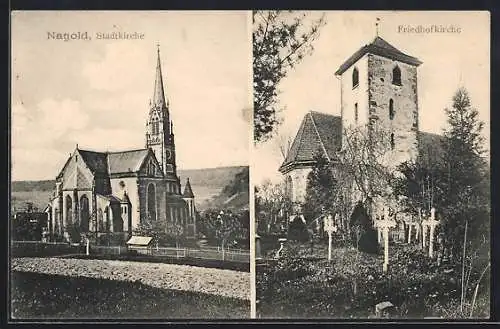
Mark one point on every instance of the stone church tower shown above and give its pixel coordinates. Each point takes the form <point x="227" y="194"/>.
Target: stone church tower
<point x="160" y="134"/>
<point x="379" y="89"/>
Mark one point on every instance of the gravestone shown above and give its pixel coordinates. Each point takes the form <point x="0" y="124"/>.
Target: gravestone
<point x="282" y="245"/>
<point x="384" y="309"/>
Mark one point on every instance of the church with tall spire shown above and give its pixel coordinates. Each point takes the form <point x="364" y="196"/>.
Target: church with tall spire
<point x="116" y="192"/>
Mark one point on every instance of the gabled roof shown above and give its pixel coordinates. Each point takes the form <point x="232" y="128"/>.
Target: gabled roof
<point x="126" y="161"/>
<point x="317" y="132"/>
<point x="188" y="192"/>
<point x="96" y="161"/>
<point x="382" y="48"/>
<point x="110" y="198"/>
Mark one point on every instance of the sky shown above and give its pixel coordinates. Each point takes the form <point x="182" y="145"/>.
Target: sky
<point x="450" y="60"/>
<point x="95" y="93"/>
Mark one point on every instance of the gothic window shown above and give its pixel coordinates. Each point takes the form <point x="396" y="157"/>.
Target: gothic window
<point x="107" y="221"/>
<point x="69" y="210"/>
<point x="151" y="202"/>
<point x="100" y="221"/>
<point x="391" y="109"/>
<point x="392" y="141"/>
<point x="415" y="119"/>
<point x="289" y="187"/>
<point x="84" y="213"/>
<point x="355" y="78"/>
<point x="356" y="112"/>
<point x="396" y="76"/>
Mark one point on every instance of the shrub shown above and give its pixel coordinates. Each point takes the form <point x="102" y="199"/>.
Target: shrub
<point x="297" y="231"/>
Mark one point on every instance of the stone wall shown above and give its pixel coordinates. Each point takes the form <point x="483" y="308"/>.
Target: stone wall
<point x="404" y="124"/>
<point x="299" y="183"/>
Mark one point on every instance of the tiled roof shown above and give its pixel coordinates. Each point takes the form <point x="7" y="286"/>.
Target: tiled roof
<point x="126" y="161"/>
<point x="96" y="161"/>
<point x="110" y="198"/>
<point x="188" y="192"/>
<point x="114" y="162"/>
<point x="317" y="132"/>
<point x="378" y="47"/>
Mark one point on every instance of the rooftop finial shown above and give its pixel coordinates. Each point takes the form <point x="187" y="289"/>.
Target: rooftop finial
<point x="376" y="26"/>
<point x="158" y="47"/>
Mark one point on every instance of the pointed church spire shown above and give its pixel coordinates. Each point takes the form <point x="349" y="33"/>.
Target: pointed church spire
<point x="188" y="192"/>
<point x="159" y="94"/>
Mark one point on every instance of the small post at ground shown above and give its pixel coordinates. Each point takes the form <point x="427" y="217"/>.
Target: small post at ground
<point x="386" y="248"/>
<point x="409" y="232"/>
<point x="258" y="252"/>
<point x="87" y="246"/>
<point x="432" y="223"/>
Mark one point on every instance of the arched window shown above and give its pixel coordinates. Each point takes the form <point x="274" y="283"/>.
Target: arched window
<point x="107" y="221"/>
<point x="151" y="202"/>
<point x="69" y="210"/>
<point x="100" y="220"/>
<point x="396" y="76"/>
<point x="392" y="141"/>
<point x="355" y="78"/>
<point x="84" y="213"/>
<point x="391" y="109"/>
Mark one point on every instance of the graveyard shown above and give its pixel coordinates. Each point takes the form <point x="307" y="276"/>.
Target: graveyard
<point x="408" y="276"/>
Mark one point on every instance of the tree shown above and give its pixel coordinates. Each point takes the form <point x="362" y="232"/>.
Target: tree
<point x="466" y="175"/>
<point x="319" y="190"/>
<point x="152" y="228"/>
<point x="364" y="164"/>
<point x="281" y="39"/>
<point x="272" y="206"/>
<point x="175" y="231"/>
<point x="224" y="226"/>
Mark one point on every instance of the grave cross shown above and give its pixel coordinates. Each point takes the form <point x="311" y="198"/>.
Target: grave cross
<point x="386" y="224"/>
<point x="330" y="228"/>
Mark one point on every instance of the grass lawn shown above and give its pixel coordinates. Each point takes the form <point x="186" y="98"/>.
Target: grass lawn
<point x="42" y="296"/>
<point x="306" y="286"/>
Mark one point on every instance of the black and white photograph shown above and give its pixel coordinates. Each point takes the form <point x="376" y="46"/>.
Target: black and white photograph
<point x="130" y="140"/>
<point x="371" y="166"/>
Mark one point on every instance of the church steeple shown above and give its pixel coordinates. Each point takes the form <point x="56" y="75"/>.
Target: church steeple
<point x="159" y="135"/>
<point x="159" y="92"/>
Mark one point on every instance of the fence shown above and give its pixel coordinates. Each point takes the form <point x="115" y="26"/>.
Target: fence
<point x="59" y="248"/>
<point x="38" y="248"/>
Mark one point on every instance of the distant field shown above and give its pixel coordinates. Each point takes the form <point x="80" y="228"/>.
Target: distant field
<point x="43" y="296"/>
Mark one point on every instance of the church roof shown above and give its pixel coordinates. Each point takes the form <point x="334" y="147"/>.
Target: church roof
<point x="96" y="161"/>
<point x="114" y="162"/>
<point x="126" y="161"/>
<point x="382" y="48"/>
<point x="188" y="192"/>
<point x="317" y="132"/>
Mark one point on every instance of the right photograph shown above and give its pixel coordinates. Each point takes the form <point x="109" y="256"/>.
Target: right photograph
<point x="371" y="164"/>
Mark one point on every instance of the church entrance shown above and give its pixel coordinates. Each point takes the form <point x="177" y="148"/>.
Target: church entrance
<point x="84" y="213"/>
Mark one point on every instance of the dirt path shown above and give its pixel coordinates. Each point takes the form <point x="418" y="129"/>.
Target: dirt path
<point x="167" y="276"/>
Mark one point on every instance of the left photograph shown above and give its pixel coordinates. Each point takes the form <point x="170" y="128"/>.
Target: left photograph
<point x="130" y="136"/>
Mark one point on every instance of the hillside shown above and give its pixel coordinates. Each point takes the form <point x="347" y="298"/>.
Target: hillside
<point x="235" y="195"/>
<point x="206" y="184"/>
